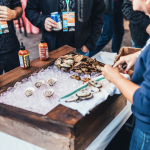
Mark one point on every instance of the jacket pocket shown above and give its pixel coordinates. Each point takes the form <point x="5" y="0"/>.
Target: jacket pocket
<point x="84" y="9"/>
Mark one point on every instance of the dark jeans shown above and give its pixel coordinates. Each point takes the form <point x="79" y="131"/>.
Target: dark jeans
<point x="139" y="140"/>
<point x="9" y="60"/>
<point x="112" y="29"/>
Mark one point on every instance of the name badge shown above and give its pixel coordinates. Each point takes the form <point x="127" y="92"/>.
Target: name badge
<point x="68" y="21"/>
<point x="3" y="27"/>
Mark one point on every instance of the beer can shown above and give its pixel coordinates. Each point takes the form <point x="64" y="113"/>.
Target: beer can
<point x="56" y="17"/>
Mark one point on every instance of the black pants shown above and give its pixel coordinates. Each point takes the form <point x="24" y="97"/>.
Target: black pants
<point x="9" y="60"/>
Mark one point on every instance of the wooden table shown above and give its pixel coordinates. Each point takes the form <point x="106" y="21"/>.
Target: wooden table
<point x="62" y="128"/>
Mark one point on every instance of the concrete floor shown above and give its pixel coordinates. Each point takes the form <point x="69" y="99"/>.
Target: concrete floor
<point x="122" y="139"/>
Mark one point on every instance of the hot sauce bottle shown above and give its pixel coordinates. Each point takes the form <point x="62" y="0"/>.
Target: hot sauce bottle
<point x="24" y="57"/>
<point x="43" y="50"/>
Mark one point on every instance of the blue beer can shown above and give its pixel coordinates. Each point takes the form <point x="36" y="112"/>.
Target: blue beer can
<point x="56" y="17"/>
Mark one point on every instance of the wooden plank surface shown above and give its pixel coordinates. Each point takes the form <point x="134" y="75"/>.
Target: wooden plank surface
<point x="16" y="75"/>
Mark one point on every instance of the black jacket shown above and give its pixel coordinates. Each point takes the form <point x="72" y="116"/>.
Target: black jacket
<point x="89" y="20"/>
<point x="138" y="23"/>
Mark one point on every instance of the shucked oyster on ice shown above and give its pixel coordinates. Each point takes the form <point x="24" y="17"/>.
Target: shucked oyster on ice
<point x="52" y="81"/>
<point x="94" y="83"/>
<point x="29" y="91"/>
<point x="39" y="83"/>
<point x="48" y="93"/>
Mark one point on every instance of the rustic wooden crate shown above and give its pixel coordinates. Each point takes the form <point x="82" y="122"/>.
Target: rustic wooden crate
<point x="62" y="128"/>
<point x="127" y="51"/>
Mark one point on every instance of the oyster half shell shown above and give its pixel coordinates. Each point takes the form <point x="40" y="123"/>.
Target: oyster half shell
<point x="72" y="98"/>
<point x="87" y="97"/>
<point x="94" y="83"/>
<point x="39" y="83"/>
<point x="48" y="93"/>
<point x="92" y="89"/>
<point x="29" y="91"/>
<point x="52" y="81"/>
<point x="83" y="93"/>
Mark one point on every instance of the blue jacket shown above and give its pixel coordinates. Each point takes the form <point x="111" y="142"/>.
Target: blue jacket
<point x="89" y="20"/>
<point x="141" y="98"/>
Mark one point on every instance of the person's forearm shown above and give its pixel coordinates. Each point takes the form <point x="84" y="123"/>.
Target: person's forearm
<point x="126" y="87"/>
<point x="17" y="12"/>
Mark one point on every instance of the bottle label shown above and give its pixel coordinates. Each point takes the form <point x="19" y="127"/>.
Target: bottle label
<point x="24" y="61"/>
<point x="43" y="52"/>
<point x="21" y="61"/>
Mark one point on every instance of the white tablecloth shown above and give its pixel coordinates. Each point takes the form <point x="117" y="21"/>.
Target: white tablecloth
<point x="8" y="142"/>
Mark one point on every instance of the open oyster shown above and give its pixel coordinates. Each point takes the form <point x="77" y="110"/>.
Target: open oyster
<point x="87" y="97"/>
<point x="72" y="98"/>
<point x="52" y="81"/>
<point x="48" y="93"/>
<point x="92" y="89"/>
<point x="78" y="58"/>
<point x="94" y="83"/>
<point x="29" y="91"/>
<point x="65" y="65"/>
<point x="83" y="93"/>
<point x="70" y="62"/>
<point x="58" y="62"/>
<point x="39" y="83"/>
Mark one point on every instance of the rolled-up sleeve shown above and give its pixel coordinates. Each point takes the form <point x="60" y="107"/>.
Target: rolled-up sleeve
<point x="15" y="3"/>
<point x="141" y="97"/>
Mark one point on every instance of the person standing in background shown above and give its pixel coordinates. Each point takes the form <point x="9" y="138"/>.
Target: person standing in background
<point x="9" y="44"/>
<point x="139" y="24"/>
<point x="112" y="29"/>
<point x="87" y="25"/>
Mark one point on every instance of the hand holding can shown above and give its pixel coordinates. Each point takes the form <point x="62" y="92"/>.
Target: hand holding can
<point x="50" y="24"/>
<point x="56" y="17"/>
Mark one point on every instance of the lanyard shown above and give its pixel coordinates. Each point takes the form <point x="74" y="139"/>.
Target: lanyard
<point x="67" y="2"/>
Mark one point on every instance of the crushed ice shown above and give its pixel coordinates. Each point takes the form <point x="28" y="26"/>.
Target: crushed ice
<point x="37" y="103"/>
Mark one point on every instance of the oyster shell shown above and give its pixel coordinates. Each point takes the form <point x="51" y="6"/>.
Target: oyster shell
<point x="79" y="71"/>
<point x="78" y="58"/>
<point x="48" y="93"/>
<point x="64" y="69"/>
<point x="84" y="69"/>
<point x="39" y="83"/>
<point x="86" y="80"/>
<point x="72" y="98"/>
<point x="65" y="65"/>
<point x="67" y="56"/>
<point x="94" y="83"/>
<point x="83" y="93"/>
<point x="75" y="77"/>
<point x="58" y="62"/>
<point x="69" y="62"/>
<point x="87" y="97"/>
<point x="98" y="67"/>
<point x="52" y="81"/>
<point x="29" y="91"/>
<point x="92" y="89"/>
